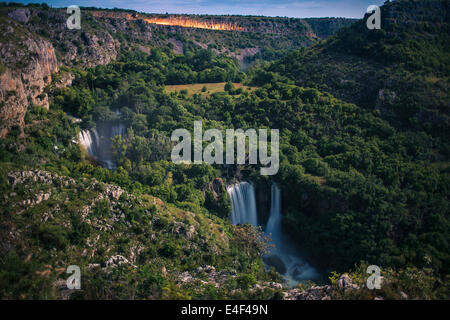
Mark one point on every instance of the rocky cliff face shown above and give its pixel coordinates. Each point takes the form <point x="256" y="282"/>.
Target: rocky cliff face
<point x="28" y="58"/>
<point x="316" y="27"/>
<point x="193" y="23"/>
<point x="28" y="64"/>
<point x="88" y="47"/>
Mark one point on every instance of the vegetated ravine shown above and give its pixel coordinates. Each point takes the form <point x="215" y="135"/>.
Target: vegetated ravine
<point x="282" y="256"/>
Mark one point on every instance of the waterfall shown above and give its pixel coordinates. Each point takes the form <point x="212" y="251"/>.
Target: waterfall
<point x="274" y="224"/>
<point x="283" y="257"/>
<point x="243" y="204"/>
<point x="98" y="141"/>
<point x="90" y="140"/>
<point x="118" y="130"/>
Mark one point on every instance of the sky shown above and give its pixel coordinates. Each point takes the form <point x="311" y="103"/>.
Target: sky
<point x="282" y="8"/>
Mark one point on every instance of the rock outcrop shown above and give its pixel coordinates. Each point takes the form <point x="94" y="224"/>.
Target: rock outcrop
<point x="28" y="60"/>
<point x="28" y="64"/>
<point x="44" y="177"/>
<point x="326" y="292"/>
<point x="116" y="261"/>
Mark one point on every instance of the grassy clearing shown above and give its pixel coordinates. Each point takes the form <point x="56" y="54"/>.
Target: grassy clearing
<point x="210" y="88"/>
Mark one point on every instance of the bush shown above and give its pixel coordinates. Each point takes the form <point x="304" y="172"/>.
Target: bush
<point x="246" y="281"/>
<point x="51" y="236"/>
<point x="101" y="208"/>
<point x="169" y="250"/>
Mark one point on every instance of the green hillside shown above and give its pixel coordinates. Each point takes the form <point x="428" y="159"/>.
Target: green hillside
<point x="401" y="70"/>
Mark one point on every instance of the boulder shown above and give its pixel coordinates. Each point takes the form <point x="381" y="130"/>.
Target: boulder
<point x="116" y="261"/>
<point x="183" y="229"/>
<point x="345" y="282"/>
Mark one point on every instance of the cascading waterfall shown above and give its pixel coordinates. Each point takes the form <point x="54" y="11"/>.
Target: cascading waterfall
<point x="98" y="141"/>
<point x="118" y="130"/>
<point x="243" y="204"/>
<point x="274" y="224"/>
<point x="282" y="256"/>
<point x="90" y="140"/>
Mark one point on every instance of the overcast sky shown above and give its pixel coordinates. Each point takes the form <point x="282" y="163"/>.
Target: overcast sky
<point x="284" y="8"/>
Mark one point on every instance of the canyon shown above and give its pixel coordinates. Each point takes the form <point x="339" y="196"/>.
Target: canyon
<point x="37" y="44"/>
<point x="86" y="177"/>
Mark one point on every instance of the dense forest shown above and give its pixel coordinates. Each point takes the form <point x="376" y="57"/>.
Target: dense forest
<point x="364" y="167"/>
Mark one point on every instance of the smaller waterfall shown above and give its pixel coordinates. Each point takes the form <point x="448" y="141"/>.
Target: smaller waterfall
<point x="118" y="130"/>
<point x="243" y="204"/>
<point x="98" y="141"/>
<point x="91" y="141"/>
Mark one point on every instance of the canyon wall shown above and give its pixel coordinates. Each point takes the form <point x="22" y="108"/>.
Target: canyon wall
<point x="27" y="67"/>
<point x="34" y="44"/>
<point x="193" y="23"/>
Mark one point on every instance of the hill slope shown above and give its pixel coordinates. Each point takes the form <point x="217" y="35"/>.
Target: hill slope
<point x="401" y="70"/>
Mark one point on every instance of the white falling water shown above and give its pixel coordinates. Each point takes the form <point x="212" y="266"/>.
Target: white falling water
<point x="98" y="142"/>
<point x="243" y="204"/>
<point x="284" y="258"/>
<point x="274" y="223"/>
<point x="90" y="140"/>
<point x="117" y="130"/>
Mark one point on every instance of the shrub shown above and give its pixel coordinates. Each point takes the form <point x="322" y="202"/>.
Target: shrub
<point x="51" y="236"/>
<point x="101" y="208"/>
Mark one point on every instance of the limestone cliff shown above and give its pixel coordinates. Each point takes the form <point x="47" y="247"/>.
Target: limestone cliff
<point x="27" y="66"/>
<point x="34" y="43"/>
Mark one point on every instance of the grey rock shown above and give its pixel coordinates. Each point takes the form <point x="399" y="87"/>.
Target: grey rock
<point x="20" y="15"/>
<point x="116" y="261"/>
<point x="346" y="283"/>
